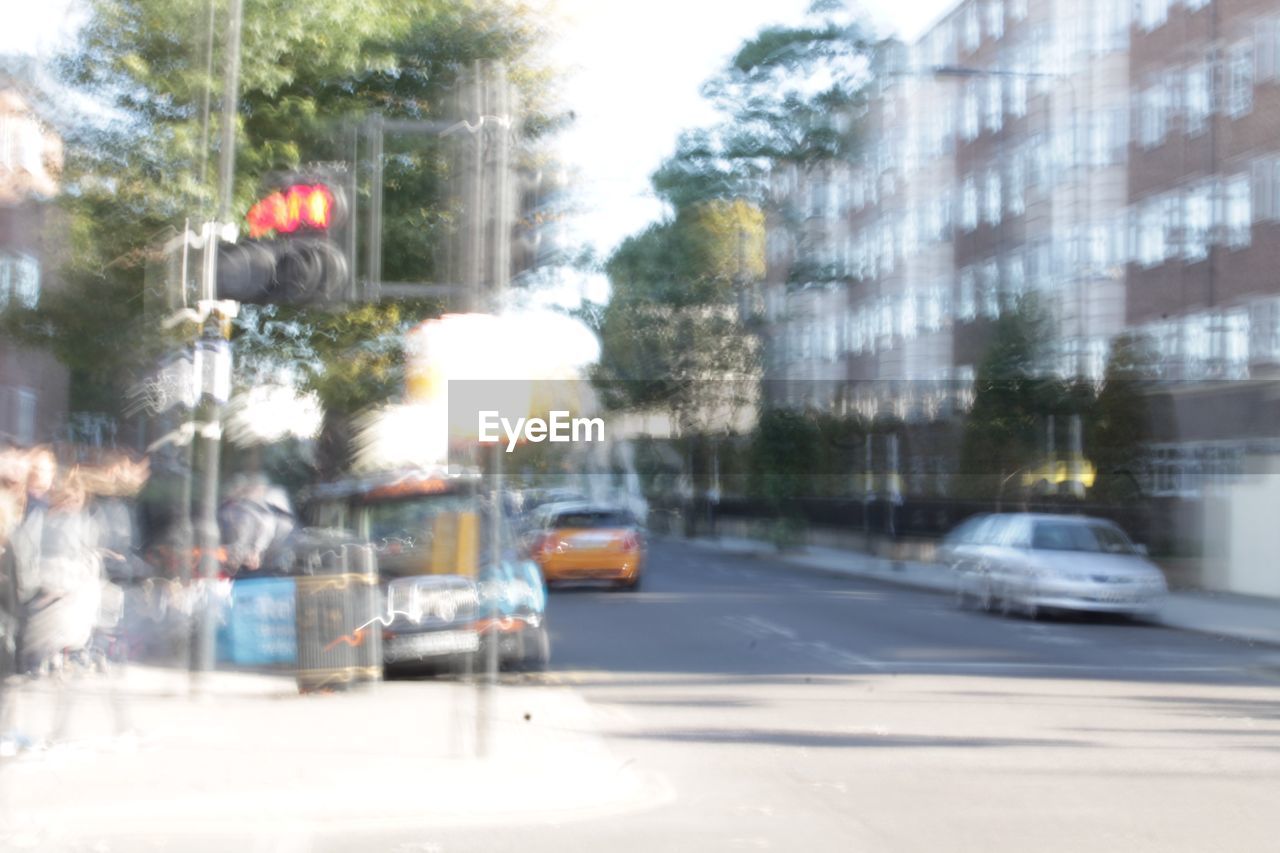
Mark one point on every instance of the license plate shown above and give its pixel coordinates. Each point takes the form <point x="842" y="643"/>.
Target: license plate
<point x="418" y="646"/>
<point x="592" y="540"/>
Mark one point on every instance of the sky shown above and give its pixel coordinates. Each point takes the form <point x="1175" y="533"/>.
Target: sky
<point x="634" y="67"/>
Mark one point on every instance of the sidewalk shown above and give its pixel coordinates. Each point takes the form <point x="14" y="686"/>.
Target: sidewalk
<point x="1254" y="620"/>
<point x="253" y="765"/>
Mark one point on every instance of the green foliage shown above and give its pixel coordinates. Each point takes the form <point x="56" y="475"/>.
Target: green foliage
<point x="785" y="455"/>
<point x="309" y="72"/>
<point x="1121" y="422"/>
<point x="1012" y="396"/>
<point x="670" y="338"/>
<point x="791" y="94"/>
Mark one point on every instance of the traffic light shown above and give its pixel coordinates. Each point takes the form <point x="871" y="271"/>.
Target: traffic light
<point x="299" y="250"/>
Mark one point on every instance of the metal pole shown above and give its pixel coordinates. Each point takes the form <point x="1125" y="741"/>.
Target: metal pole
<point x="209" y="411"/>
<point x="489" y="576"/>
<point x="373" y="251"/>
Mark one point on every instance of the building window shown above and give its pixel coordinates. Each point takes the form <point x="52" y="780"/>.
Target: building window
<point x="972" y="36"/>
<point x="1017" y="10"/>
<point x="906" y="316"/>
<point x="995" y="18"/>
<point x="991" y="197"/>
<point x="1240" y="80"/>
<point x="19" y="281"/>
<point x="931" y="310"/>
<point x="1015" y="186"/>
<point x="1014" y="277"/>
<point x="1197" y="223"/>
<point x="1264" y="331"/>
<point x="989" y="289"/>
<point x="1266" y="50"/>
<point x="1151" y="245"/>
<point x="1231" y="345"/>
<point x="1153" y="120"/>
<point x="966" y="297"/>
<point x="1015" y="88"/>
<point x="18" y="414"/>
<point x="1198" y="102"/>
<point x="1238" y="214"/>
<point x="1152" y="13"/>
<point x="21" y="144"/>
<point x="992" y="104"/>
<point x="1265" y="180"/>
<point x="969" y="203"/>
<point x="969" y="113"/>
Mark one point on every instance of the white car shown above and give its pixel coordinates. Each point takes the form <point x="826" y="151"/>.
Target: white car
<point x="1031" y="562"/>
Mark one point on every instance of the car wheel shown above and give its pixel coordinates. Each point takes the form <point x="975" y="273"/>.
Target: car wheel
<point x="631" y="585"/>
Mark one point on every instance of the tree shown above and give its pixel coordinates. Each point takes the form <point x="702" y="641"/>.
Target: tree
<point x="1011" y="397"/>
<point x="1121" y="426"/>
<point x="791" y="94"/>
<point x="670" y="336"/>
<point x="308" y="73"/>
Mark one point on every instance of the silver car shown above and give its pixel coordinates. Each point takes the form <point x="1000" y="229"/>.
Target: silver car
<point x="1030" y="562"/>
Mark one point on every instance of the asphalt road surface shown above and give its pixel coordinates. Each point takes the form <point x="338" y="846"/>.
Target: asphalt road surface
<point x="733" y="703"/>
<point x="785" y="710"/>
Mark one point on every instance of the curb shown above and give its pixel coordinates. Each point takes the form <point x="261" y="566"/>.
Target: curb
<point x="888" y="578"/>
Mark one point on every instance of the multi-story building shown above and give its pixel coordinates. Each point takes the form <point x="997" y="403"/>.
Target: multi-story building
<point x="33" y="384"/>
<point x="1120" y="161"/>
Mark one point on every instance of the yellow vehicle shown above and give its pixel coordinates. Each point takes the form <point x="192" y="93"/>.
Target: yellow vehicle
<point x="586" y="542"/>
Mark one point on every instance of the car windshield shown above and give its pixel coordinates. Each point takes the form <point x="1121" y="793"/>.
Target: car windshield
<point x="1075" y="536"/>
<point x="593" y="520"/>
<point x="411" y="521"/>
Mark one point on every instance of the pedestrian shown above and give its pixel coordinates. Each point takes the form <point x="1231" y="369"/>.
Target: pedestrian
<point x="13" y="500"/>
<point x="256" y="520"/>
<point x="60" y="577"/>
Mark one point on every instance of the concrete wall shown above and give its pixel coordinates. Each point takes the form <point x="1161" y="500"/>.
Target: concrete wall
<point x="1242" y="534"/>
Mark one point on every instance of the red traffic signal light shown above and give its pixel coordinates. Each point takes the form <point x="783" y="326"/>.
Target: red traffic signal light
<point x="301" y="248"/>
<point x="297" y="208"/>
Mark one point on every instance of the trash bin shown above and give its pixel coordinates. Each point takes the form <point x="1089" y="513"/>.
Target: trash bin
<point x="338" y="605"/>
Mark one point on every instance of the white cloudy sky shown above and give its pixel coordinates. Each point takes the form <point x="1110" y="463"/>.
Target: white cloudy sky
<point x="635" y="66"/>
<point x="638" y="70"/>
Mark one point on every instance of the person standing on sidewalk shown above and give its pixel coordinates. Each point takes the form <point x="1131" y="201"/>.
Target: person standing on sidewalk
<point x="61" y="583"/>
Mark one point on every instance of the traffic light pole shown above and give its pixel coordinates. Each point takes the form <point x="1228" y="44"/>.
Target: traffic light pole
<point x="213" y="360"/>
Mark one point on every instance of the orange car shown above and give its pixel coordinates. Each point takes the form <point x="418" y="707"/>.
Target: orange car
<point x="587" y="542"/>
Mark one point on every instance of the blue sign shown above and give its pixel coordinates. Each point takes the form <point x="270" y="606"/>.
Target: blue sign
<point x="260" y="625"/>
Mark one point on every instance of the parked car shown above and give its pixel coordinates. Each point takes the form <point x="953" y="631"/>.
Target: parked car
<point x="589" y="542"/>
<point x="1033" y="562"/>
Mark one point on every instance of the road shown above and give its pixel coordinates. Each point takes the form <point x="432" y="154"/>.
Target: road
<point x="787" y="710"/>
<point x="733" y="703"/>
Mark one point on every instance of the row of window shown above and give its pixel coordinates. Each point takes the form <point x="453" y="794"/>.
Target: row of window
<point x="1186" y="470"/>
<point x="1189" y="96"/>
<point x="1208" y="345"/>
<point x="1214" y="345"/>
<point x="1099" y="138"/>
<point x="1180" y="224"/>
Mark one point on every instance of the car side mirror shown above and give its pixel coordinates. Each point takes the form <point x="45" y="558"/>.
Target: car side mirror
<point x="1142" y="549"/>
